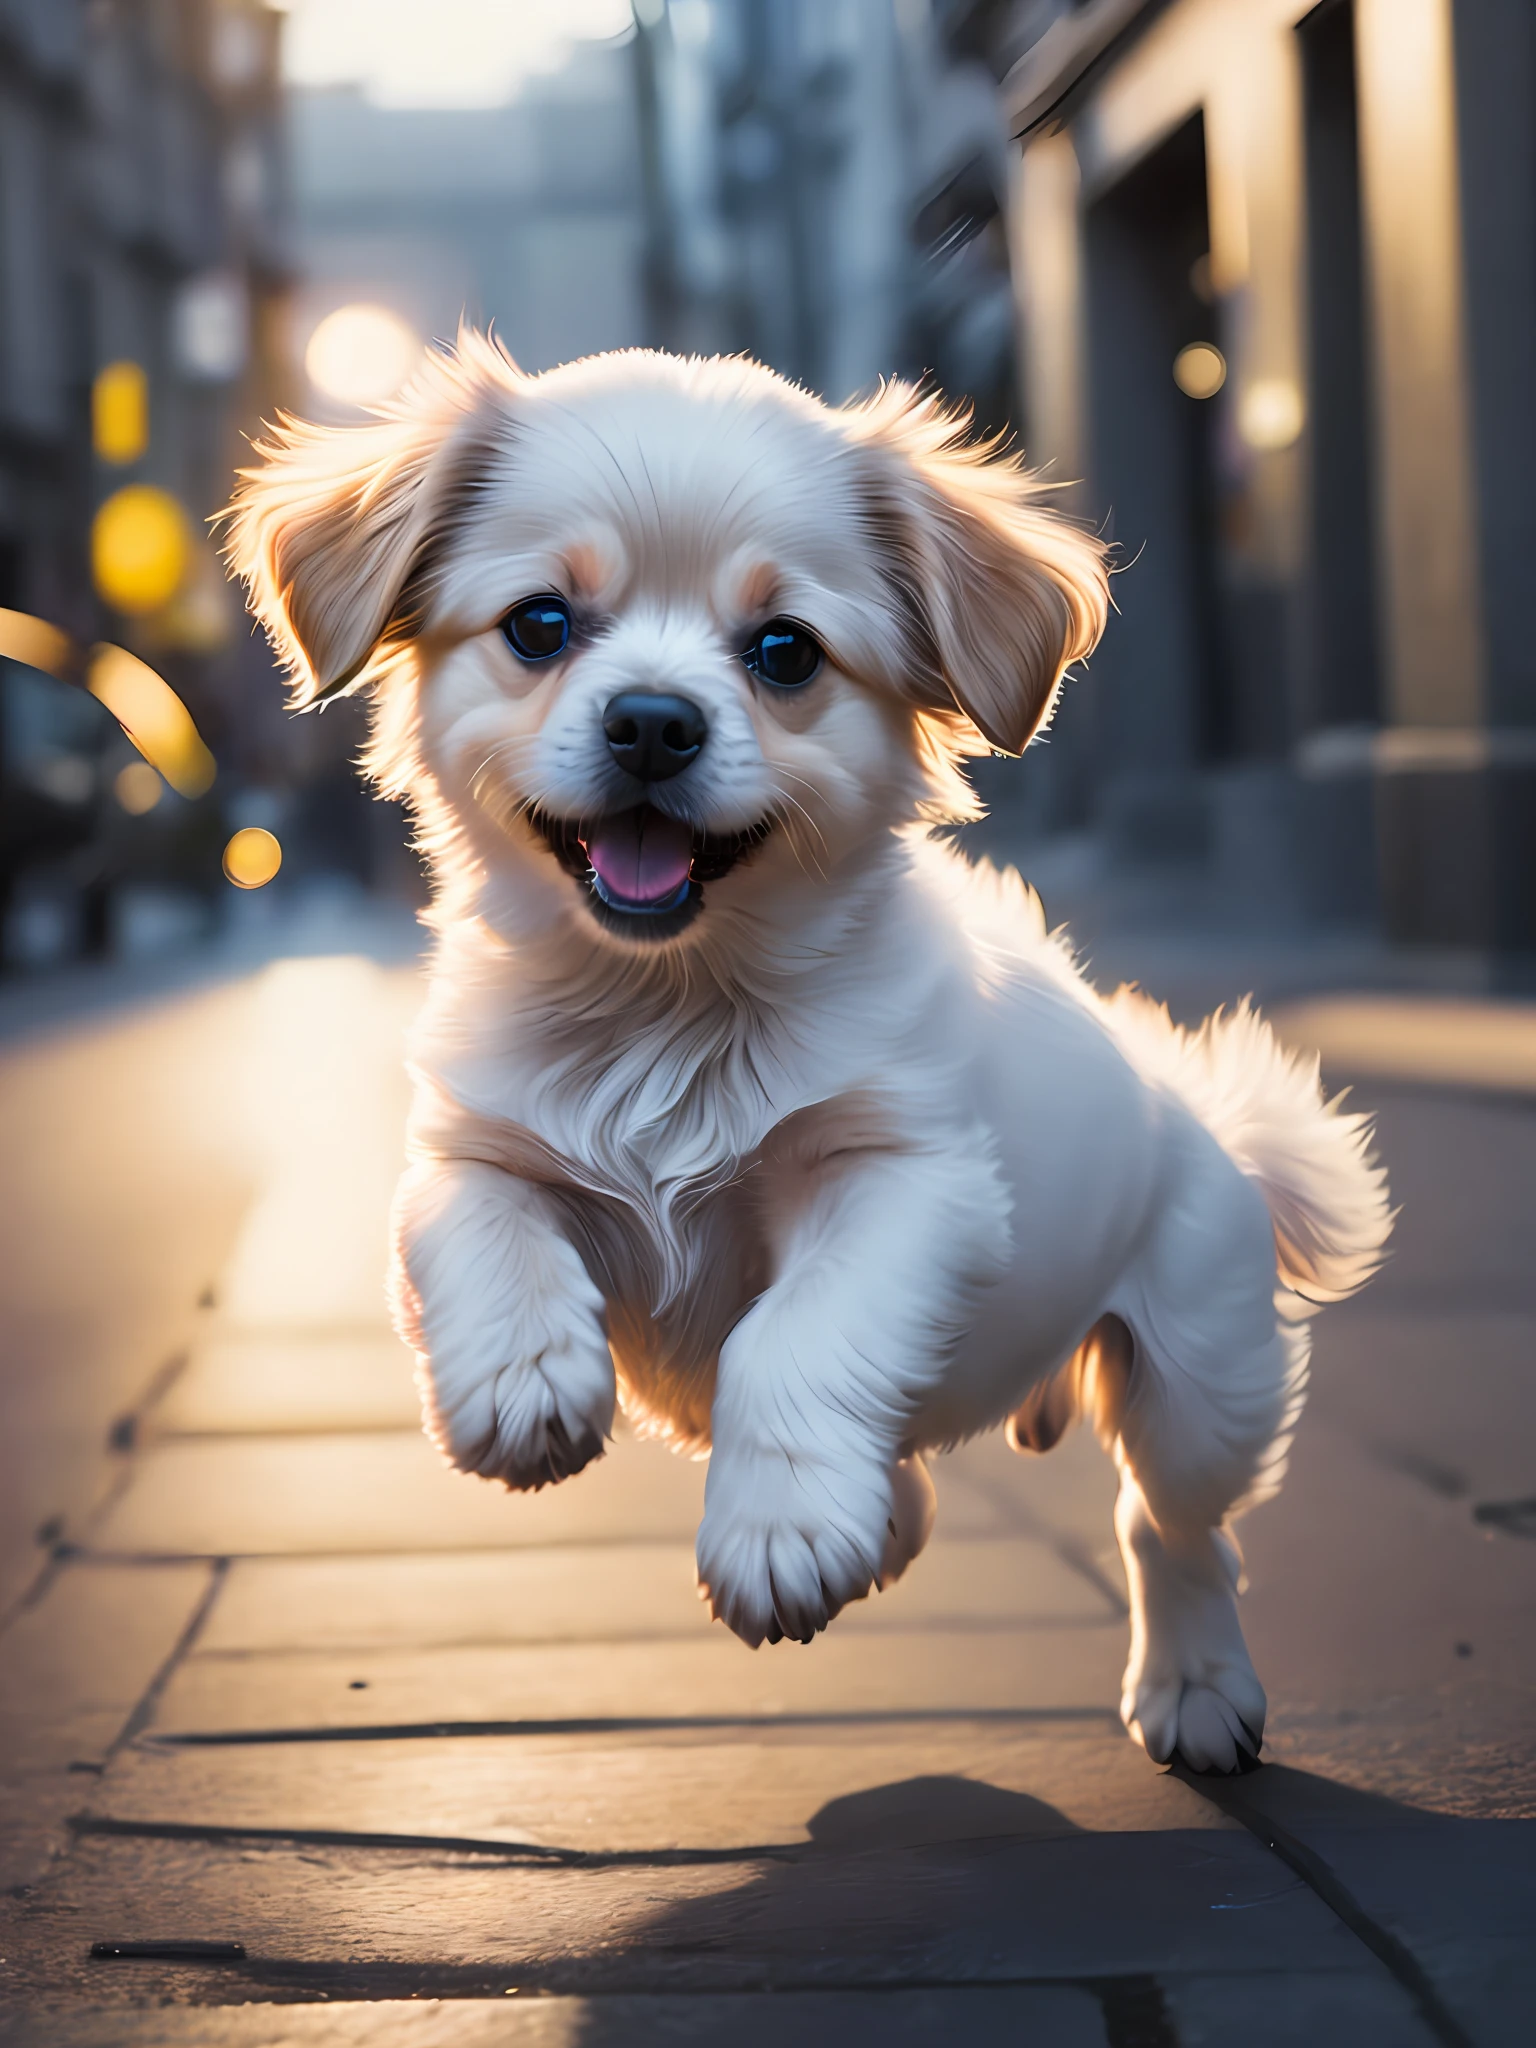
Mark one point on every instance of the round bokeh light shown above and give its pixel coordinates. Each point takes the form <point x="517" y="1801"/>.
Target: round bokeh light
<point x="137" y="788"/>
<point x="1200" y="370"/>
<point x="139" y="548"/>
<point x="360" y="355"/>
<point x="252" y="858"/>
<point x="1271" y="415"/>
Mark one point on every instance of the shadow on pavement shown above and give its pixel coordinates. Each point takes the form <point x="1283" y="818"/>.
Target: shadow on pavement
<point x="937" y="1886"/>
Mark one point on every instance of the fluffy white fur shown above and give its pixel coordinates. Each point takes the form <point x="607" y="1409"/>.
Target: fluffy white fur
<point x="857" y="1164"/>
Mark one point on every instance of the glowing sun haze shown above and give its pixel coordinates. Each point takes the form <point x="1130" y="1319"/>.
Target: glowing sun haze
<point x="360" y="354"/>
<point x="439" y="53"/>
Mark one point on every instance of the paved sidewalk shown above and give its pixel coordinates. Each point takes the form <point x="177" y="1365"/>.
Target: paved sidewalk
<point x="452" y="1766"/>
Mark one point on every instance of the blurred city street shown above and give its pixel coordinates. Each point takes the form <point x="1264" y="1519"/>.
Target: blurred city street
<point x="275" y="1677"/>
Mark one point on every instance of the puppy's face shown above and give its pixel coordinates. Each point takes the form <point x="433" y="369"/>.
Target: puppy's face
<point x="657" y="675"/>
<point x="661" y="646"/>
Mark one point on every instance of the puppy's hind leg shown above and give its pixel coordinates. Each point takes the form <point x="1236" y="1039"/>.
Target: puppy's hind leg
<point x="1190" y="1687"/>
<point x="1093" y="1382"/>
<point x="1214" y="1391"/>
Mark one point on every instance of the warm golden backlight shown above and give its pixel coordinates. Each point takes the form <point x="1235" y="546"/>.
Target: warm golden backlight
<point x="360" y="354"/>
<point x="143" y="703"/>
<point x="154" y="718"/>
<point x="1200" y="370"/>
<point x="252" y="858"/>
<point x="36" y="644"/>
<point x="1271" y="415"/>
<point x="120" y="413"/>
<point x="139" y="548"/>
<point x="137" y="788"/>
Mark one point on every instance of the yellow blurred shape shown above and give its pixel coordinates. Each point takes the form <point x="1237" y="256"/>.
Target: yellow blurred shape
<point x="252" y="858"/>
<point x="361" y="354"/>
<point x="154" y="718"/>
<point x="139" y="548"/>
<point x="137" y="788"/>
<point x="36" y="644"/>
<point x="1271" y="414"/>
<point x="120" y="412"/>
<point x="1200" y="370"/>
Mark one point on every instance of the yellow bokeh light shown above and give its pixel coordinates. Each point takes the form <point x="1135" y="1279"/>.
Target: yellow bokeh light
<point x="1200" y="370"/>
<point x="139" y="548"/>
<point x="1271" y="415"/>
<point x="36" y="644"/>
<point x="360" y="354"/>
<point x="120" y="413"/>
<point x="252" y="858"/>
<point x="137" y="788"/>
<point x="154" y="718"/>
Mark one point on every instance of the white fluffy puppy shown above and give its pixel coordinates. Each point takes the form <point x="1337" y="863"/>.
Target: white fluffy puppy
<point x="736" y="1092"/>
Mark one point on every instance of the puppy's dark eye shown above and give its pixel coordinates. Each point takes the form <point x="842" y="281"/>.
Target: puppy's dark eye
<point x="538" y="627"/>
<point x="783" y="654"/>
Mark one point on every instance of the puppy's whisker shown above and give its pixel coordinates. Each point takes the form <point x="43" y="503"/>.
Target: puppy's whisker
<point x="790" y="834"/>
<point x="794" y="775"/>
<point x="783" y="796"/>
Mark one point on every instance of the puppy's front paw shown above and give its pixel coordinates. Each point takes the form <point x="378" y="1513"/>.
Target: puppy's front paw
<point x="784" y="1545"/>
<point x="532" y="1421"/>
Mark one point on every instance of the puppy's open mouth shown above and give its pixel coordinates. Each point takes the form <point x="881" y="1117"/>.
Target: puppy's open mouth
<point x="644" y="871"/>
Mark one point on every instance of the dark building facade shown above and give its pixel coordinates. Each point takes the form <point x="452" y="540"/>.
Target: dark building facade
<point x="1276" y="268"/>
<point x="142" y="212"/>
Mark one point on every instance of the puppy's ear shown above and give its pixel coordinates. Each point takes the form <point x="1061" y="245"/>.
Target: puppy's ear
<point x="1000" y="593"/>
<point x="333" y="529"/>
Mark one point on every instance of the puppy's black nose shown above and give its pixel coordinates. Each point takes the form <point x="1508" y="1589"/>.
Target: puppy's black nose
<point x="653" y="736"/>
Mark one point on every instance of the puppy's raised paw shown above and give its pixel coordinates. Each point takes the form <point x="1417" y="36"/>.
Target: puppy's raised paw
<point x="533" y="1422"/>
<point x="779" y="1554"/>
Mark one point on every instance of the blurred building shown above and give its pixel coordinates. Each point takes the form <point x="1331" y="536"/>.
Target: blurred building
<point x="1277" y="275"/>
<point x="826" y="186"/>
<point x="142" y="226"/>
<point x="527" y="216"/>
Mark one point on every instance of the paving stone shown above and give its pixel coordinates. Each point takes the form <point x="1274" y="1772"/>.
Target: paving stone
<point x="383" y="1493"/>
<point x="592" y="1592"/>
<point x="1462" y="1749"/>
<point x="1447" y="1404"/>
<point x="1361" y="2009"/>
<point x="122" y="1185"/>
<point x="699" y="1789"/>
<point x="326" y="1080"/>
<point x="911" y="1672"/>
<point x="72" y="1669"/>
<point x="235" y="1384"/>
<point x="1372" y="1610"/>
<point x="1458" y="1895"/>
<point x="312" y="1254"/>
<point x="1462" y="1174"/>
<point x="1063" y="2015"/>
<point x="996" y="1908"/>
<point x="458" y="1598"/>
<point x="388" y="1493"/>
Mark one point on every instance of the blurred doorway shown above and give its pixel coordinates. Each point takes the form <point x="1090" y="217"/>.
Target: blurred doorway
<point x="1340" y="673"/>
<point x="1165" y="671"/>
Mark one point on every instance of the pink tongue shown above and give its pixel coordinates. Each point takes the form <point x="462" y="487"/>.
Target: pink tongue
<point x="642" y="856"/>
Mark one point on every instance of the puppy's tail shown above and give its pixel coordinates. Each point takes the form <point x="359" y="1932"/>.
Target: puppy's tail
<point x="1313" y="1161"/>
